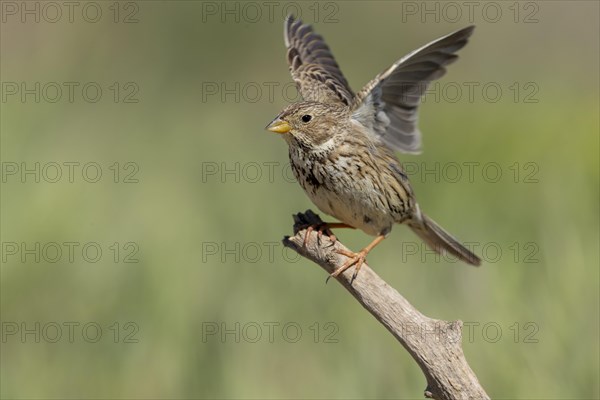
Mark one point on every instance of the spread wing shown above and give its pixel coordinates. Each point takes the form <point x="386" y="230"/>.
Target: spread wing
<point x="388" y="105"/>
<point x="312" y="65"/>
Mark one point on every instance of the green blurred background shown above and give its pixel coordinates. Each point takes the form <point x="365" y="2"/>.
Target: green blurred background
<point x="202" y="199"/>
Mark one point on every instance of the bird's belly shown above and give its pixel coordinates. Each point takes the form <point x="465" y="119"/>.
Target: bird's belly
<point x="354" y="198"/>
<point x="354" y="209"/>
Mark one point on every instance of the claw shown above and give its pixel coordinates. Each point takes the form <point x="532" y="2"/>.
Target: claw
<point x="322" y="227"/>
<point x="357" y="259"/>
<point x="308" y="231"/>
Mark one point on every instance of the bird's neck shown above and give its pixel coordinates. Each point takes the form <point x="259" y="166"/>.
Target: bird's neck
<point x="313" y="151"/>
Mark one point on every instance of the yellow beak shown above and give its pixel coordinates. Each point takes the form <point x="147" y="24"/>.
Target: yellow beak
<point x="279" y="126"/>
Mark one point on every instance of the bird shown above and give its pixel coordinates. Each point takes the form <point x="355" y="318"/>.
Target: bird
<point x="342" y="144"/>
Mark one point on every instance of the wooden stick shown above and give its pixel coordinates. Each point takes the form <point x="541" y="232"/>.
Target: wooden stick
<point x="434" y="344"/>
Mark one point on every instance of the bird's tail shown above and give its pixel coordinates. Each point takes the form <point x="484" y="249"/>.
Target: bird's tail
<point x="441" y="241"/>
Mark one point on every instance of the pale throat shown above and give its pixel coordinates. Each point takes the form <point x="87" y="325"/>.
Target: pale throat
<point x="312" y="150"/>
<point x="326" y="147"/>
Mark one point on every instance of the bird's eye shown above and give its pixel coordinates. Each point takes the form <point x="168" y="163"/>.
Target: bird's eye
<point x="306" y="118"/>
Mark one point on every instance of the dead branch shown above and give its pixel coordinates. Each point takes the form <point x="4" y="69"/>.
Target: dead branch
<point x="434" y="344"/>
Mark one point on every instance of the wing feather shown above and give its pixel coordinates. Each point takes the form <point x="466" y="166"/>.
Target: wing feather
<point x="388" y="105"/>
<point x="312" y="65"/>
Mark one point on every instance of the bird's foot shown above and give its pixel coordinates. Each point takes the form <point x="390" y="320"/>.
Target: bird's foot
<point x="324" y="227"/>
<point x="357" y="259"/>
<point x="320" y="228"/>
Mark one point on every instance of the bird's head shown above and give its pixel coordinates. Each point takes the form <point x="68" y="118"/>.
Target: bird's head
<point x="309" y="123"/>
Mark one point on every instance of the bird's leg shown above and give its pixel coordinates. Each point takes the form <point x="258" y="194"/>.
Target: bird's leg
<point x="355" y="258"/>
<point x="325" y="227"/>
